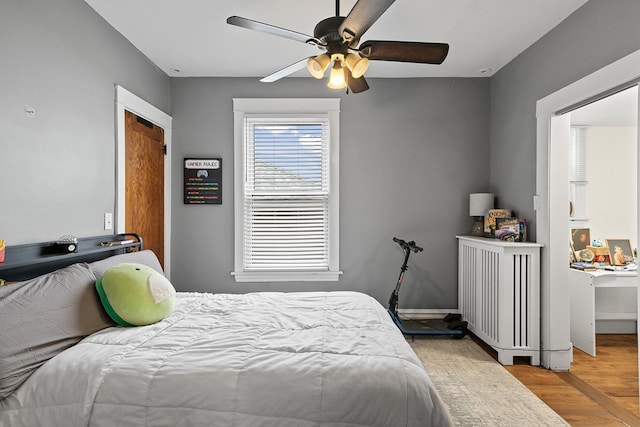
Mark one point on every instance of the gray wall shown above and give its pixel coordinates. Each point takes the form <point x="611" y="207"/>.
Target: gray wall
<point x="427" y="137"/>
<point x="411" y="151"/>
<point x="57" y="170"/>
<point x="599" y="33"/>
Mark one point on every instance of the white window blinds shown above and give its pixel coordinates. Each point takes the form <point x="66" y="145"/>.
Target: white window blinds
<point x="577" y="157"/>
<point x="286" y="193"/>
<point x="577" y="174"/>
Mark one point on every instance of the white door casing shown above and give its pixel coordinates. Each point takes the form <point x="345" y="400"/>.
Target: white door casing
<point x="552" y="201"/>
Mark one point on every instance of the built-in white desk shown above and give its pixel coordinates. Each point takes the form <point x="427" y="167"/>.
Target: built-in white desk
<point x="600" y="296"/>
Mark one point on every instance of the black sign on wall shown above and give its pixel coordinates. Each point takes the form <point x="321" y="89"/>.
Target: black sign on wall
<point x="202" y="181"/>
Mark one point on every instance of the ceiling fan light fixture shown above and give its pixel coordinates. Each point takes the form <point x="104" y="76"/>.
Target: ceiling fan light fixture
<point x="357" y="65"/>
<point x="337" y="79"/>
<point x="318" y="65"/>
<point x="339" y="39"/>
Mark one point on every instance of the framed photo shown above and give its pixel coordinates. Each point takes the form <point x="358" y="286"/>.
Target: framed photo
<point x="572" y="253"/>
<point x="581" y="238"/>
<point x="620" y="251"/>
<point x="203" y="181"/>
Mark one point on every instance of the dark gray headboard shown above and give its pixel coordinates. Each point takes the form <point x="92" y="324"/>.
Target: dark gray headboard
<point x="26" y="261"/>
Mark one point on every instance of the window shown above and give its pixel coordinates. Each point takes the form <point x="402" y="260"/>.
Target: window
<point x="577" y="175"/>
<point x="286" y="189"/>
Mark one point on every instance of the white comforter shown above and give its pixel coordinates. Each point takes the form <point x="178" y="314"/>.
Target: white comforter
<point x="262" y="359"/>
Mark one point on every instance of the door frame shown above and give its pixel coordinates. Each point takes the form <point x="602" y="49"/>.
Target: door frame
<point x="125" y="100"/>
<point x="551" y="203"/>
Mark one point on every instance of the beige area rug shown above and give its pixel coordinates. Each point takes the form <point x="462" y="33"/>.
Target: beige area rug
<point x="477" y="389"/>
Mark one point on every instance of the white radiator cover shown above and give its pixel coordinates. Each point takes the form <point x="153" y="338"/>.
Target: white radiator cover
<point x="499" y="295"/>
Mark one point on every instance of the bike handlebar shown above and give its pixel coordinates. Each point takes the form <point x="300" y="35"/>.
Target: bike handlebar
<point x="408" y="245"/>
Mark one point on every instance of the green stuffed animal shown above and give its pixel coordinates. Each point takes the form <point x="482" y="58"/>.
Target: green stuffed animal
<point x="136" y="295"/>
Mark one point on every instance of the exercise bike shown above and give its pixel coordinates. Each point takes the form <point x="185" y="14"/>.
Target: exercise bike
<point x="452" y="324"/>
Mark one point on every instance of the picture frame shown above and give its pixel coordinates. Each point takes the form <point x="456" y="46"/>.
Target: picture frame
<point x="572" y="254"/>
<point x="620" y="251"/>
<point x="490" y="220"/>
<point x="507" y="229"/>
<point x="580" y="239"/>
<point x="202" y="181"/>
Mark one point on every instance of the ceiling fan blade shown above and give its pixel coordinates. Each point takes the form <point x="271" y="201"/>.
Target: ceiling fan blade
<point x="285" y="71"/>
<point x="361" y="17"/>
<point x="271" y="29"/>
<point x="425" y="53"/>
<point x="356" y="85"/>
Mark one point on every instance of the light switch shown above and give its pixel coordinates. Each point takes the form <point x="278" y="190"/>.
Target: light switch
<point x="536" y="202"/>
<point x="108" y="221"/>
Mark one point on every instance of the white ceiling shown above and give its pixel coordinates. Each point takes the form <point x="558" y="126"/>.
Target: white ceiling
<point x="620" y="109"/>
<point x="191" y="37"/>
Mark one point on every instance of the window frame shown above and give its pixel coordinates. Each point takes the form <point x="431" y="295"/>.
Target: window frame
<point x="329" y="107"/>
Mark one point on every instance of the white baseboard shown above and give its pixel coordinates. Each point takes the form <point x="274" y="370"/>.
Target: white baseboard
<point x="616" y="326"/>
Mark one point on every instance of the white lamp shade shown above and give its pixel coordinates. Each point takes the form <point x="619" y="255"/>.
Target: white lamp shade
<point x="479" y="203"/>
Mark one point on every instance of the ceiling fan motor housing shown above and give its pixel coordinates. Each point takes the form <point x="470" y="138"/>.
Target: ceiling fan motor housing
<point x="327" y="31"/>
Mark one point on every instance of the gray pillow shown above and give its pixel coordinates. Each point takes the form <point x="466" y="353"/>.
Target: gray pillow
<point x="43" y="316"/>
<point x="146" y="257"/>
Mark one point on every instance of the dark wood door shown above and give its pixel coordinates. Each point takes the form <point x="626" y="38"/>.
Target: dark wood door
<point x="144" y="182"/>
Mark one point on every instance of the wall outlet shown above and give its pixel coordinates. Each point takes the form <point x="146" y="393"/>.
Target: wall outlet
<point x="108" y="221"/>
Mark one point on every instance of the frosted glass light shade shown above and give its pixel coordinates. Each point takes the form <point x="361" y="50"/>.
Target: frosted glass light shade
<point x="318" y="64"/>
<point x="357" y="65"/>
<point x="337" y="78"/>
<point x="479" y="203"/>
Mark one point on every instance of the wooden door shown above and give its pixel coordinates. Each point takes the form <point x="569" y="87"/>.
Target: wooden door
<point x="144" y="182"/>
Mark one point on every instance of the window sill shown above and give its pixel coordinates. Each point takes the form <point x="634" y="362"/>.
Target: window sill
<point x="282" y="276"/>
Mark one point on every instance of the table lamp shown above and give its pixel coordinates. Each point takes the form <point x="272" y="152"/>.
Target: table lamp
<point x="479" y="203"/>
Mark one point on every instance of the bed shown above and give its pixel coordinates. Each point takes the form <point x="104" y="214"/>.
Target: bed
<point x="258" y="359"/>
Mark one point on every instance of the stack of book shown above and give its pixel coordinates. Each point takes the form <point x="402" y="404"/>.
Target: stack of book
<point x="585" y="266"/>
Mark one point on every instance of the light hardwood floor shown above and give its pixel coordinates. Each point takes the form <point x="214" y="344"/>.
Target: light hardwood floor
<point x="600" y="391"/>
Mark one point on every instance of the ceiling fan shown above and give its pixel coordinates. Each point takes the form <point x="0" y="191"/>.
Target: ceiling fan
<point x="339" y="37"/>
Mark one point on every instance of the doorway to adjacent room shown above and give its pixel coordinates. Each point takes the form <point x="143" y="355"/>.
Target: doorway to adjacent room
<point x="144" y="182"/>
<point x="552" y="198"/>
<point x="149" y="129"/>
